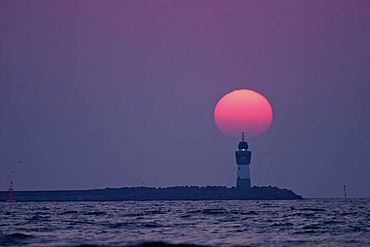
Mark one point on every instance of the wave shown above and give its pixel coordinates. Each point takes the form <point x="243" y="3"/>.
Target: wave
<point x="14" y="239"/>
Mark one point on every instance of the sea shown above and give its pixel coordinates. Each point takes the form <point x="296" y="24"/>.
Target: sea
<point x="308" y="222"/>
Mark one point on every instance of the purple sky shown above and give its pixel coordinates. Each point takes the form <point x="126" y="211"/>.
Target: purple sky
<point x="97" y="94"/>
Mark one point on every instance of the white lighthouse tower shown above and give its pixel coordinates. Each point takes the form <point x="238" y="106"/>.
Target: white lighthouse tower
<point x="243" y="159"/>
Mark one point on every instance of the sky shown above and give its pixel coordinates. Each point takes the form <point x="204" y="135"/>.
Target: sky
<point x="97" y="94"/>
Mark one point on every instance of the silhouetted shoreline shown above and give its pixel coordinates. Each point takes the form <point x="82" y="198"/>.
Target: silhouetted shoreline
<point x="191" y="193"/>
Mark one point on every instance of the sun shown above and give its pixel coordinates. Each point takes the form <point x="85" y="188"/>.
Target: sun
<point x="243" y="110"/>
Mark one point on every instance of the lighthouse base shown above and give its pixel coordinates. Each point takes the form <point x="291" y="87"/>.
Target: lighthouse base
<point x="243" y="183"/>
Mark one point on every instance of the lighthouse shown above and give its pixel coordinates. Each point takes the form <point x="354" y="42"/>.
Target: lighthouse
<point x="243" y="159"/>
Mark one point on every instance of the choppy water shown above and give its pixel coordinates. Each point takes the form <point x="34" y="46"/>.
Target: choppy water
<point x="314" y="222"/>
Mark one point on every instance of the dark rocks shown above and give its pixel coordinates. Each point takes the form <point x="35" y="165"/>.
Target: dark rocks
<point x="190" y="193"/>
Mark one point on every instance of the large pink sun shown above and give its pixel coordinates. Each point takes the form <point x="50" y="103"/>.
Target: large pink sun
<point x="243" y="110"/>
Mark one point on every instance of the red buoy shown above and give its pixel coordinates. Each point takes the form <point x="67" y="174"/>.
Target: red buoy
<point x="11" y="190"/>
